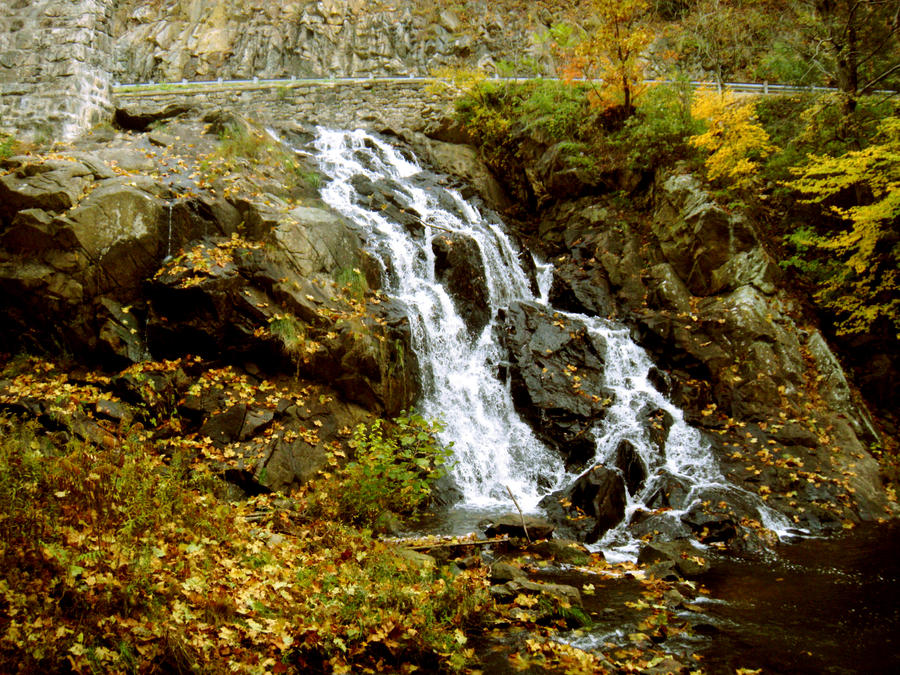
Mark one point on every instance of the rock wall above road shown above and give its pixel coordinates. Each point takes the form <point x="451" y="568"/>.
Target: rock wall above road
<point x="59" y="57"/>
<point x="200" y="40"/>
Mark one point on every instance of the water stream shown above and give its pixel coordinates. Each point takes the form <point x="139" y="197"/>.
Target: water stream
<point x="494" y="449"/>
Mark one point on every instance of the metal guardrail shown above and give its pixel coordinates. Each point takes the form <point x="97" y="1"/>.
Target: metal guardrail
<point x="763" y="88"/>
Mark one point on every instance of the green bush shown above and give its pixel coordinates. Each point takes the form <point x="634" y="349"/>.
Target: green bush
<point x="658" y="133"/>
<point x="394" y="470"/>
<point x="561" y="110"/>
<point x="7" y="144"/>
<point x="785" y="65"/>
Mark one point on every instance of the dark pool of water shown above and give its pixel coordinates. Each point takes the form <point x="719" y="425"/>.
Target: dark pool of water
<point x="825" y="606"/>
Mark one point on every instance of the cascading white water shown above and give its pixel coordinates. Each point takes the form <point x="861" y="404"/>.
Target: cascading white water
<point x="493" y="448"/>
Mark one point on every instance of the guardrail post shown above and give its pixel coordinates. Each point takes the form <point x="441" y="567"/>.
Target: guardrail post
<point x="766" y="87"/>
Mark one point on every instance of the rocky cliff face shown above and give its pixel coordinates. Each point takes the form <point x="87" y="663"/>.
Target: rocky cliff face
<point x="168" y="41"/>
<point x="740" y="357"/>
<point x="130" y="254"/>
<point x="58" y="59"/>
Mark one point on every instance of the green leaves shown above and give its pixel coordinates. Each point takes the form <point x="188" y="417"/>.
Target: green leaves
<point x="394" y="469"/>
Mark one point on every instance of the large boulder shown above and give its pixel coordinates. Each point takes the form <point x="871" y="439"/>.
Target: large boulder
<point x="556" y="370"/>
<point x="233" y="297"/>
<point x="458" y="265"/>
<point x="390" y="200"/>
<point x="464" y="162"/>
<point x="711" y="249"/>
<point x="589" y="507"/>
<point x="141" y="116"/>
<point x="317" y="241"/>
<point x="51" y="185"/>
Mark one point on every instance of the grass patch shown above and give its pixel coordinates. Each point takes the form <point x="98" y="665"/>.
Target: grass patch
<point x="7" y="146"/>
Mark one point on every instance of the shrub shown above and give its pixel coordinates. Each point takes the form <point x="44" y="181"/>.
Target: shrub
<point x="394" y="470"/>
<point x="353" y="282"/>
<point x="7" y="145"/>
<point x="862" y="188"/>
<point x="658" y="133"/>
<point x="735" y="140"/>
<point x="114" y="560"/>
<point x="559" y="109"/>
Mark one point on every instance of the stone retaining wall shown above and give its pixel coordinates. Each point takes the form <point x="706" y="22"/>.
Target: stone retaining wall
<point x="54" y="67"/>
<point x="377" y="105"/>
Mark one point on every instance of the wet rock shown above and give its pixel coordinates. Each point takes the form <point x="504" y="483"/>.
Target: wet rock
<point x="120" y="228"/>
<point x="716" y="516"/>
<point x="628" y="461"/>
<point x="589" y="507"/>
<point x="561" y="593"/>
<point x="502" y="572"/>
<point x="562" y="551"/>
<point x="255" y="421"/>
<point x="290" y="459"/>
<point x="698" y="238"/>
<point x="464" y="162"/>
<point x="653" y="526"/>
<point x="458" y="265"/>
<point x="658" y="423"/>
<point x="670" y="492"/>
<point x="556" y="370"/>
<point x="576" y="288"/>
<point x="160" y="139"/>
<point x="389" y="200"/>
<point x="835" y="390"/>
<point x="688" y="560"/>
<point x="120" y="333"/>
<point x="114" y="410"/>
<point x="415" y="559"/>
<point x="795" y="434"/>
<point x="95" y="164"/>
<point x="225" y="427"/>
<point x="34" y="231"/>
<point x="52" y="186"/>
<point x="515" y="525"/>
<point x="318" y="241"/>
<point x="155" y="393"/>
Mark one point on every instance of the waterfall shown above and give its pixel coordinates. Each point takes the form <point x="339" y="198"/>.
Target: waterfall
<point x="493" y="447"/>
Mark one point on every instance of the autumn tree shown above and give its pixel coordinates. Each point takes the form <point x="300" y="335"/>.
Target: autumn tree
<point x="734" y="138"/>
<point x="611" y="50"/>
<point x="865" y="286"/>
<point x="855" y="44"/>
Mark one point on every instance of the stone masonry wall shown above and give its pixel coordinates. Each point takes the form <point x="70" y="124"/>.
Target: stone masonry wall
<point x="377" y="105"/>
<point x="54" y="66"/>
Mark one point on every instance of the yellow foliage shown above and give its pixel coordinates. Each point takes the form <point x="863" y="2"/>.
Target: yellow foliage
<point x="867" y="287"/>
<point x="456" y="81"/>
<point x="611" y="52"/>
<point x="735" y="139"/>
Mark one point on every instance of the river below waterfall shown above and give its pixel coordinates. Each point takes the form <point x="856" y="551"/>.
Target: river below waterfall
<point x="821" y="606"/>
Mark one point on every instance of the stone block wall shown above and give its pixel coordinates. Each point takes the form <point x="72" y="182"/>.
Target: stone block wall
<point x="378" y="105"/>
<point x="55" y="67"/>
